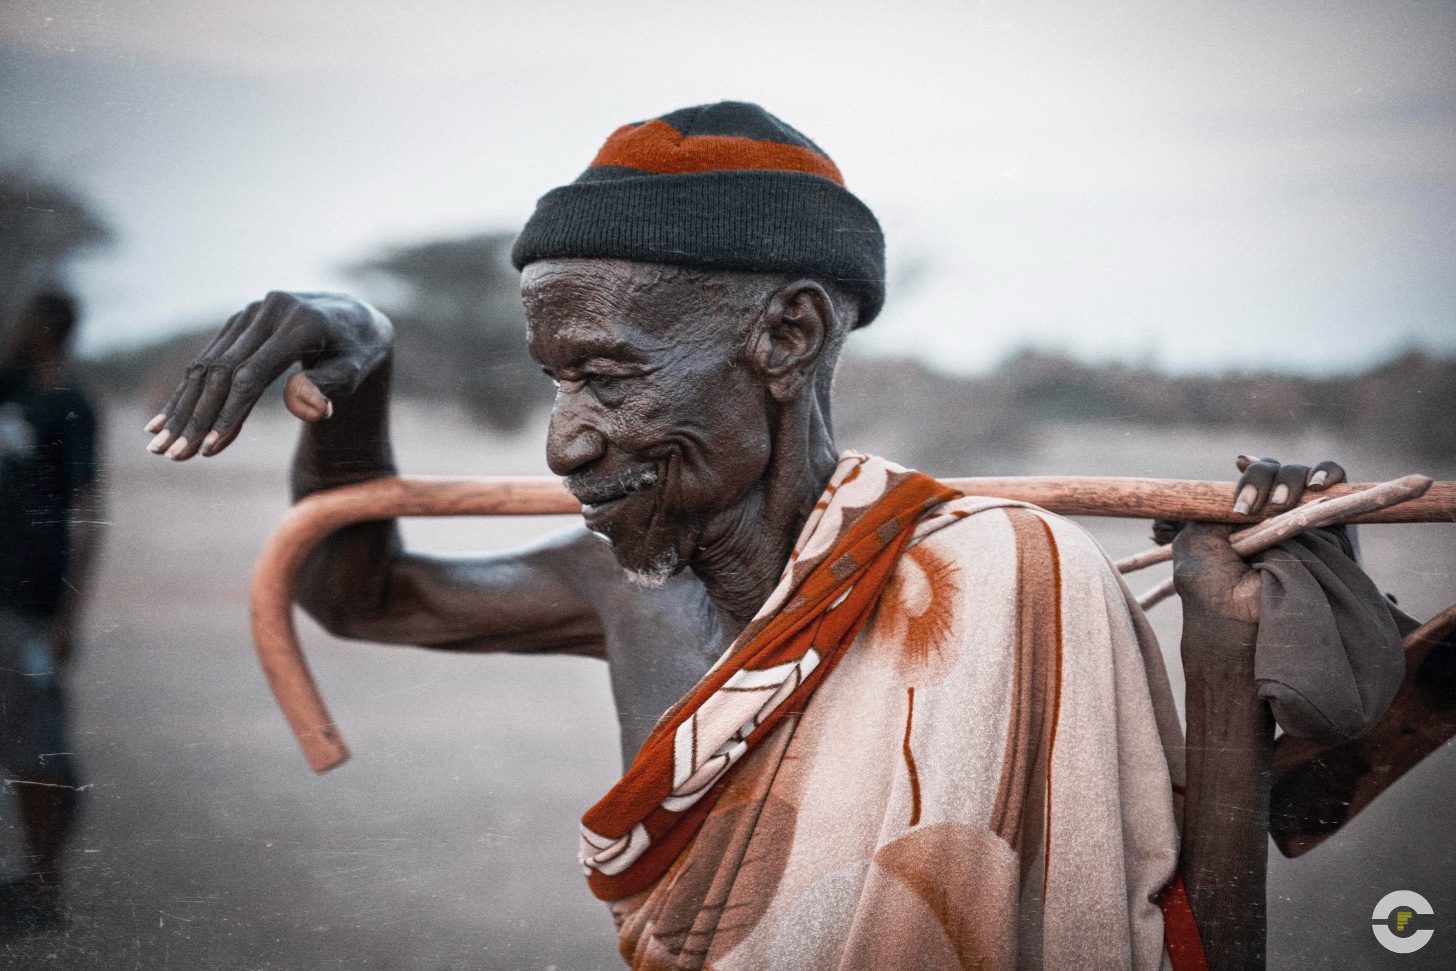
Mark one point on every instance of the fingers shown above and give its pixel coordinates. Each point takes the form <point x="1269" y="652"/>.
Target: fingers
<point x="168" y="424"/>
<point x="215" y="382"/>
<point x="303" y="397"/>
<point x="247" y="386"/>
<point x="158" y="423"/>
<point x="334" y="379"/>
<point x="339" y="340"/>
<point x="1326" y="474"/>
<point x="248" y="381"/>
<point x="184" y="401"/>
<point x="1254" y="486"/>
<point x="310" y="394"/>
<point x="1164" y="530"/>
<point x="1288" y="487"/>
<point x="1268" y="485"/>
<point x="183" y="425"/>
<point x="218" y="385"/>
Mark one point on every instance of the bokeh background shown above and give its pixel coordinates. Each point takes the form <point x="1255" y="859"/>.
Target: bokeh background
<point x="1125" y="238"/>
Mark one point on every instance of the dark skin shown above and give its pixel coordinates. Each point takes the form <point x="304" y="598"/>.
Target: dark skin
<point x="694" y="425"/>
<point x="1230" y="733"/>
<point x="634" y="358"/>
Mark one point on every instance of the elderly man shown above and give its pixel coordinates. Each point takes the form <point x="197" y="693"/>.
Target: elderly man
<point x="869" y="722"/>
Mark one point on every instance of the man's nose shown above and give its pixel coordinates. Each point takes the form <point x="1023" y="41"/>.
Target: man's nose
<point x="573" y="440"/>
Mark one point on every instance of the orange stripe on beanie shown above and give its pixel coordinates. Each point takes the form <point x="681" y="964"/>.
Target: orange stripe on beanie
<point x="657" y="147"/>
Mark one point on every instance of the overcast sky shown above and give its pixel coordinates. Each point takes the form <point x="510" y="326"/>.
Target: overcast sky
<point x="1205" y="184"/>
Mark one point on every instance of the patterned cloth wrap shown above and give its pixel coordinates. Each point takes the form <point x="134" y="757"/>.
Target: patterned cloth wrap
<point x="986" y="781"/>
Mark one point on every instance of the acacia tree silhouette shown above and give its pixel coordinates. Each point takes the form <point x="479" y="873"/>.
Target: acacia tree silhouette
<point x="461" y="330"/>
<point x="43" y="225"/>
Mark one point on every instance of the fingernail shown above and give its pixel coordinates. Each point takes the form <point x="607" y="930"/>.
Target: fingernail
<point x="1281" y="494"/>
<point x="209" y="441"/>
<point x="155" y="425"/>
<point x="1318" y="479"/>
<point x="178" y="447"/>
<point x="1246" y="500"/>
<point x="156" y="445"/>
<point x="328" y="408"/>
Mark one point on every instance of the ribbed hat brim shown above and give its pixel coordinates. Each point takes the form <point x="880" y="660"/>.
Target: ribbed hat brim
<point x="753" y="220"/>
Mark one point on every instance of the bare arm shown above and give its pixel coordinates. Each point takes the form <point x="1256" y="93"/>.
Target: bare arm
<point x="1230" y="741"/>
<point x="1229" y="750"/>
<point x="362" y="582"/>
<point x="1308" y="599"/>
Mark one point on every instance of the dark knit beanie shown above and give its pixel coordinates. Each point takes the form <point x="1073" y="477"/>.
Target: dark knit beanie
<point x="725" y="186"/>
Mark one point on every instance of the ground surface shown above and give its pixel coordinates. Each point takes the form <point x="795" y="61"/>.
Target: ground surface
<point x="448" y="841"/>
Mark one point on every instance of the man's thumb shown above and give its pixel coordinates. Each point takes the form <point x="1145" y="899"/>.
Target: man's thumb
<point x="305" y="400"/>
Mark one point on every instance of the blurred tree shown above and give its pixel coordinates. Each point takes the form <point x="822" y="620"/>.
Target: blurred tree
<point x="456" y="305"/>
<point x="42" y="226"/>
<point x="1408" y="405"/>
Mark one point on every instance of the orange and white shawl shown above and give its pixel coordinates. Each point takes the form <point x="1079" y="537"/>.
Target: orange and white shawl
<point x="984" y="782"/>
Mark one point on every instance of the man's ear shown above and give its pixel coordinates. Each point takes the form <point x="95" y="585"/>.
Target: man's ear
<point x="788" y="339"/>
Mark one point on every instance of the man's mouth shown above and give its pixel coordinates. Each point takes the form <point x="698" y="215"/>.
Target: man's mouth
<point x="594" y="490"/>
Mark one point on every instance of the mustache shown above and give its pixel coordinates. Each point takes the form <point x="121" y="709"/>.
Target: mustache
<point x="591" y="488"/>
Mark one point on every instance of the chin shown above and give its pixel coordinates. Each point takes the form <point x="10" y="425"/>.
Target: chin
<point x="647" y="552"/>
<point x="648" y="568"/>
<point x="656" y="576"/>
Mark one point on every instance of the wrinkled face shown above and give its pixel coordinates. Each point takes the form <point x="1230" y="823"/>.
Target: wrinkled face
<point x="659" y="427"/>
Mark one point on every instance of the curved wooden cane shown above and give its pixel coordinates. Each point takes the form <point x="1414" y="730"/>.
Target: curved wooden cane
<point x="318" y="515"/>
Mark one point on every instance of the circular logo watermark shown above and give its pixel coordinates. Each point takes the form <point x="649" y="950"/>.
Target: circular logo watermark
<point x="1392" y="919"/>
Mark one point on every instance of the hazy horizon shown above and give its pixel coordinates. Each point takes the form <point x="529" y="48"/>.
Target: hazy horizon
<point x="1205" y="188"/>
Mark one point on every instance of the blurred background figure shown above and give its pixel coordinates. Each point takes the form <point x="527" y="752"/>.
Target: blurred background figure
<point x="47" y="483"/>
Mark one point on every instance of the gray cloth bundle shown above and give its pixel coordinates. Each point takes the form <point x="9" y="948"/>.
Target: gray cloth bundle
<point x="1329" y="658"/>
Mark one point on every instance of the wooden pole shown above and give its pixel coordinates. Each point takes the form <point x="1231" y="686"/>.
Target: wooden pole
<point x="317" y="516"/>
<point x="1319" y="512"/>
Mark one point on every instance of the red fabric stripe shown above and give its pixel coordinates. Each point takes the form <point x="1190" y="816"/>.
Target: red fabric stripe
<point x="1180" y="929"/>
<point x="638" y="795"/>
<point x="657" y="147"/>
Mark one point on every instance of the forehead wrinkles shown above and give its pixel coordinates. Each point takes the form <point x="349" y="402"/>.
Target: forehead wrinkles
<point x="678" y="306"/>
<point x="581" y="287"/>
<point x="697" y="305"/>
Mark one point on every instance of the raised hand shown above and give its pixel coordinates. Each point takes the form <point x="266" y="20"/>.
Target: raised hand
<point x="338" y="340"/>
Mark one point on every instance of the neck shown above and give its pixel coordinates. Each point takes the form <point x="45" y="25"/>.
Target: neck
<point x="742" y="555"/>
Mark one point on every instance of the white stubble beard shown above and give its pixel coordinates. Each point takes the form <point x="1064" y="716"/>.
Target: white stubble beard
<point x="664" y="567"/>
